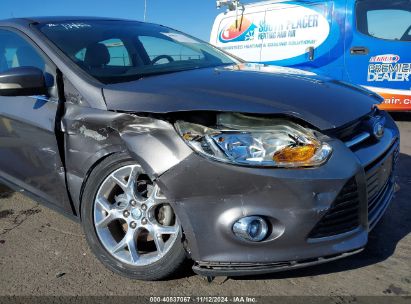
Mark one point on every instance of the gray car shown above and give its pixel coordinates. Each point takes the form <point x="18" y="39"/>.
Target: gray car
<point x="167" y="149"/>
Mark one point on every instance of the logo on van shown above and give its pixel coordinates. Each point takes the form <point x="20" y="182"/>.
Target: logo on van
<point x="388" y="58"/>
<point x="241" y="30"/>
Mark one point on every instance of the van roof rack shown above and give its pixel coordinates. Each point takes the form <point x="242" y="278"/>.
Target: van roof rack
<point x="233" y="5"/>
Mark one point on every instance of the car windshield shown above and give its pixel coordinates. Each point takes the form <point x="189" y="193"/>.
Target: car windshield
<point x="120" y="51"/>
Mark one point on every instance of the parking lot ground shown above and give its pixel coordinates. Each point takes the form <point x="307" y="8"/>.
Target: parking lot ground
<point x="44" y="253"/>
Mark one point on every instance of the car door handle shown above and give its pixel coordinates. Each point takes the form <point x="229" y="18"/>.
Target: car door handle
<point x="359" y="50"/>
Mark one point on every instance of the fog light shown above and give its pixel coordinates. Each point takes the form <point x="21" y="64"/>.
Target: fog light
<point x="251" y="228"/>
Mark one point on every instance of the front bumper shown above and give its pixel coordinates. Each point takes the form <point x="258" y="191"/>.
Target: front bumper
<point x="244" y="269"/>
<point x="209" y="197"/>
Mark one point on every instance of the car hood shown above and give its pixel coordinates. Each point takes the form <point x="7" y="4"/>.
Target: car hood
<point x="245" y="88"/>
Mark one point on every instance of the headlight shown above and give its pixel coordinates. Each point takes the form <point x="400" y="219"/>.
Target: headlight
<point x="253" y="141"/>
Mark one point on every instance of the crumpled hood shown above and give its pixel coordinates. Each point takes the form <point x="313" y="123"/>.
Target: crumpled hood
<point x="245" y="88"/>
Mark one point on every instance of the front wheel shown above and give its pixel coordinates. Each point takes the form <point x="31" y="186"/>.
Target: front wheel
<point x="128" y="222"/>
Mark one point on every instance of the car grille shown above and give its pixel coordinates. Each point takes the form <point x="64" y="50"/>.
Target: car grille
<point x="380" y="184"/>
<point x="348" y="132"/>
<point x="357" y="132"/>
<point x="396" y="156"/>
<point x="343" y="215"/>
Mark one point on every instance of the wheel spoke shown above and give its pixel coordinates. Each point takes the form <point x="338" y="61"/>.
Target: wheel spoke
<point x="119" y="181"/>
<point x="135" y="170"/>
<point x="132" y="248"/>
<point x="166" y="229"/>
<point x="121" y="245"/>
<point x="129" y="242"/>
<point x="104" y="203"/>
<point x="112" y="216"/>
<point x="157" y="195"/>
<point x="158" y="240"/>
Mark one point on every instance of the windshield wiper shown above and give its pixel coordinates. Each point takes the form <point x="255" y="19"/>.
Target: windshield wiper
<point x="146" y="74"/>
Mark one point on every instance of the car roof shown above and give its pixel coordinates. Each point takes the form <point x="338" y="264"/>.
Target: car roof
<point x="47" y="19"/>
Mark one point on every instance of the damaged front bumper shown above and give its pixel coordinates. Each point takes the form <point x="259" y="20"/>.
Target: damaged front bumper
<point x="209" y="197"/>
<point x="244" y="269"/>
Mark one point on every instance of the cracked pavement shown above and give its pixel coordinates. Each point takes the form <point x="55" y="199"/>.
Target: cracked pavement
<point x="44" y="253"/>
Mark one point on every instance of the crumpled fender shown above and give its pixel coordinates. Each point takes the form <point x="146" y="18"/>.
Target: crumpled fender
<point x="92" y="134"/>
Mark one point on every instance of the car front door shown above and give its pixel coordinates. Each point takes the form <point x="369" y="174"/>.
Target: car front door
<point x="378" y="52"/>
<point x="29" y="151"/>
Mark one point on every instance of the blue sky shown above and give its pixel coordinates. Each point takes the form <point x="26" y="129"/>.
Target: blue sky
<point x="194" y="17"/>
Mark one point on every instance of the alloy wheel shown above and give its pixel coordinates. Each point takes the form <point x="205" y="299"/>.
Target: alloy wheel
<point x="132" y="218"/>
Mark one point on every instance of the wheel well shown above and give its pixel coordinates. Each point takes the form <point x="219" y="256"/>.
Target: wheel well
<point x="85" y="180"/>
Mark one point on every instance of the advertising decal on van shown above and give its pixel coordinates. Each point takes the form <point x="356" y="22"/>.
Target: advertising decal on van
<point x="389" y="58"/>
<point x="241" y="30"/>
<point x="274" y="32"/>
<point x="387" y="68"/>
<point x="345" y="40"/>
<point x="393" y="99"/>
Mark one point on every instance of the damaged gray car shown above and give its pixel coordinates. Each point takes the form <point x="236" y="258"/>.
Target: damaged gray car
<point x="166" y="149"/>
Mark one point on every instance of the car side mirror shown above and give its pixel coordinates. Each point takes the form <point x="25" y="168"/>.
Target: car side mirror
<point x="22" y="81"/>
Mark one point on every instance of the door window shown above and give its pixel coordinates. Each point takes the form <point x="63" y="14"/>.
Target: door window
<point x="386" y="19"/>
<point x="17" y="52"/>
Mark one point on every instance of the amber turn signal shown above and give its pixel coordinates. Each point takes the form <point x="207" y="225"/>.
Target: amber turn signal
<point x="188" y="136"/>
<point x="295" y="154"/>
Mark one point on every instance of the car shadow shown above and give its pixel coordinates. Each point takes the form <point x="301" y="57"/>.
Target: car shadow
<point x="383" y="240"/>
<point x="5" y="192"/>
<point x="401" y="116"/>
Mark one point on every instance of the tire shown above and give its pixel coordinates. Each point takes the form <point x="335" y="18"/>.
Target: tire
<point x="103" y="233"/>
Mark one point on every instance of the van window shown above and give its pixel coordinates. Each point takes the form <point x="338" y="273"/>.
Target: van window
<point x="385" y="19"/>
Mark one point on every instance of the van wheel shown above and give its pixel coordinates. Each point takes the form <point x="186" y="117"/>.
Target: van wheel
<point x="129" y="224"/>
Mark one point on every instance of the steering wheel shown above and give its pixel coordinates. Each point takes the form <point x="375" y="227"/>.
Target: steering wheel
<point x="158" y="58"/>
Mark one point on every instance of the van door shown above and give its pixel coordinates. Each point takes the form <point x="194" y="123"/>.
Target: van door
<point x="378" y="52"/>
<point x="300" y="35"/>
<point x="237" y="33"/>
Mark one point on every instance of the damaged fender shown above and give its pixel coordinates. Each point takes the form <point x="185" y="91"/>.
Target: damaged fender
<point x="91" y="135"/>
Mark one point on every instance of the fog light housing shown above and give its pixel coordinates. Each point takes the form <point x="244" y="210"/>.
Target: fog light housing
<point x="251" y="228"/>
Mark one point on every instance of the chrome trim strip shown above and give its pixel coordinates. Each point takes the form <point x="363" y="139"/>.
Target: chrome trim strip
<point x="358" y="139"/>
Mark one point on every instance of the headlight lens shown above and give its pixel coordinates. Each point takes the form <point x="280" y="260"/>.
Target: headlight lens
<point x="253" y="141"/>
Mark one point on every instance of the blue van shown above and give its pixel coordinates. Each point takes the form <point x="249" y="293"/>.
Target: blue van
<point x="364" y="42"/>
